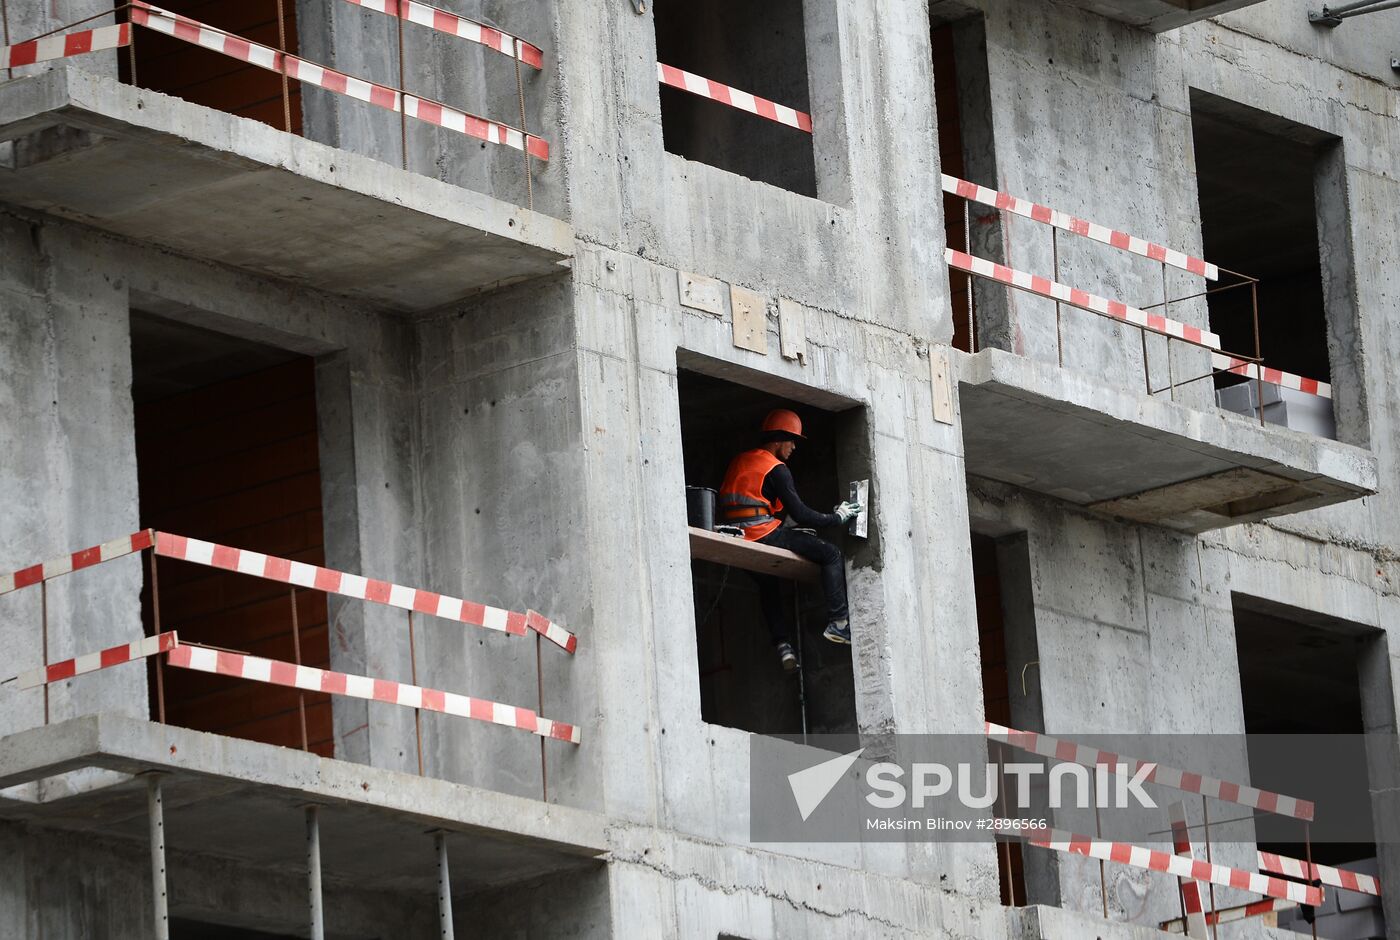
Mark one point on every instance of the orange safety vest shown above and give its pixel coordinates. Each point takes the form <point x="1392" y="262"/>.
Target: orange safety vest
<point x="741" y="499"/>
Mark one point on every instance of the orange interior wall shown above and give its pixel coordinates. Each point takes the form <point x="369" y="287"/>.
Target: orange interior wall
<point x="237" y="463"/>
<point x="175" y="67"/>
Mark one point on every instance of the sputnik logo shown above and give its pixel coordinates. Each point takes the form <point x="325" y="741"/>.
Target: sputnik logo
<point x="811" y="786"/>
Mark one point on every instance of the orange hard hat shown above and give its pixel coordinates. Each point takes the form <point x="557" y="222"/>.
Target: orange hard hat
<point x="785" y="421"/>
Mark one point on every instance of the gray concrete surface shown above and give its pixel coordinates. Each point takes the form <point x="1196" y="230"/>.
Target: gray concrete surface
<point x="522" y="447"/>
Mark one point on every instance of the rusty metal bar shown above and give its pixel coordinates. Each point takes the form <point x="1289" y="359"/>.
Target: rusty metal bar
<point x="403" y="111"/>
<point x="155" y="616"/>
<point x="967" y="241"/>
<point x="413" y="669"/>
<point x="1205" y="816"/>
<point x="1258" y="351"/>
<point x="1098" y="834"/>
<point x="1055" y="252"/>
<point x="286" y="82"/>
<point x="520" y="93"/>
<point x="1166" y="312"/>
<point x="296" y="654"/>
<point x="1307" y="831"/>
<point x="44" y="635"/>
<point x="539" y="701"/>
<point x="1204" y="293"/>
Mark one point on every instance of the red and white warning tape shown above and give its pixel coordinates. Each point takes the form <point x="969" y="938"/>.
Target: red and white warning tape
<point x="86" y="558"/>
<point x="431" y="112"/>
<point x="1126" y="853"/>
<point x="275" y="672"/>
<point x="352" y="585"/>
<point x="1053" y="290"/>
<point x="91" y="662"/>
<point x="1092" y="230"/>
<point x="65" y="46"/>
<point x="1227" y="363"/>
<point x="1335" y="877"/>
<point x="1191" y="900"/>
<point x="1230" y="914"/>
<point x="454" y="25"/>
<point x="1236" y="793"/>
<point x="705" y="88"/>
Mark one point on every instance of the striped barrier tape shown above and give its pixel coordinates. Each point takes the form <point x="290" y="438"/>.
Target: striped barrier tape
<point x="1228" y="915"/>
<point x="65" y="46"/>
<point x="92" y="662"/>
<point x="753" y="104"/>
<point x="1053" y="290"/>
<point x="1227" y="363"/>
<point x="1125" y="853"/>
<point x="367" y="589"/>
<point x="1091" y="230"/>
<point x="1333" y="877"/>
<point x="311" y="679"/>
<point x="1226" y="792"/>
<point x="1191" y="901"/>
<point x="126" y="545"/>
<point x="454" y="25"/>
<point x="431" y="112"/>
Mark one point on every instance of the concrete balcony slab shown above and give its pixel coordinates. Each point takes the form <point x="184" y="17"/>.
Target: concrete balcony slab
<point x="206" y="184"/>
<point x="1139" y="458"/>
<point x="245" y="801"/>
<point x="1158" y="16"/>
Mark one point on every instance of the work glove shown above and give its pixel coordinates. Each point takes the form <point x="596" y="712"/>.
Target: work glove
<point x="848" y="510"/>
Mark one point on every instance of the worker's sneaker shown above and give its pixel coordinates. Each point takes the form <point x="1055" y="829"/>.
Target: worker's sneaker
<point x="839" y="631"/>
<point x="788" y="657"/>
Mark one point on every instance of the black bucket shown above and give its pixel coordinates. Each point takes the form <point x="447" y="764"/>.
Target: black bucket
<point x="700" y="507"/>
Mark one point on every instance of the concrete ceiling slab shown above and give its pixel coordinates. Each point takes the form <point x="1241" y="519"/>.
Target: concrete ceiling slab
<point x="210" y="185"/>
<point x="1147" y="460"/>
<point x="245" y="801"/>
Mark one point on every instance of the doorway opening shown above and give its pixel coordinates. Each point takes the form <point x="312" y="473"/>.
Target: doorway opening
<point x="183" y="70"/>
<point x="1300" y="678"/>
<point x="227" y="451"/>
<point x="742" y="681"/>
<point x="1267" y="187"/>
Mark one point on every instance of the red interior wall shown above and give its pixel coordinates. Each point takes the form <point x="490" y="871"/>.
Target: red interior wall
<point x="175" y="67"/>
<point x="237" y="463"/>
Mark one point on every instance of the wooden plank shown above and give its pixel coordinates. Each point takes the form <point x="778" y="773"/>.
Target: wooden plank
<point x="749" y="311"/>
<point x="751" y="556"/>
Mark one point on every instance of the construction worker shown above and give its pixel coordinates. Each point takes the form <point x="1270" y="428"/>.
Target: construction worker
<point x="758" y="486"/>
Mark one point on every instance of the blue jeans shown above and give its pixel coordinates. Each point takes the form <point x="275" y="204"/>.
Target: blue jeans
<point x="833" y="579"/>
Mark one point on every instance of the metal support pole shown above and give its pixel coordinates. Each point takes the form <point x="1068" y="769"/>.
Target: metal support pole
<point x="313" y="873"/>
<point x="1258" y="351"/>
<point x="444" y="888"/>
<point x="155" y="812"/>
<point x="296" y="654"/>
<point x="44" y="628"/>
<point x="801" y="664"/>
<point x="539" y="701"/>
<point x="1146" y="374"/>
<point x="417" y="712"/>
<point x="5" y="33"/>
<point x="160" y="660"/>
<point x="1098" y="833"/>
<point x="1055" y="251"/>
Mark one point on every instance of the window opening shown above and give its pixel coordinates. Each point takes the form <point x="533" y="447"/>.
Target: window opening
<point x="227" y="450"/>
<point x="743" y="682"/>
<point x="758" y="49"/>
<point x="1256" y="177"/>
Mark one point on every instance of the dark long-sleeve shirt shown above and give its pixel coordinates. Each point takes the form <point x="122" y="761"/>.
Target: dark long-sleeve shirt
<point x="778" y="485"/>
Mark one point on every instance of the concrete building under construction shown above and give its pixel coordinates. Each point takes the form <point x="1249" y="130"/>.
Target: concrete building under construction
<point x="386" y="338"/>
